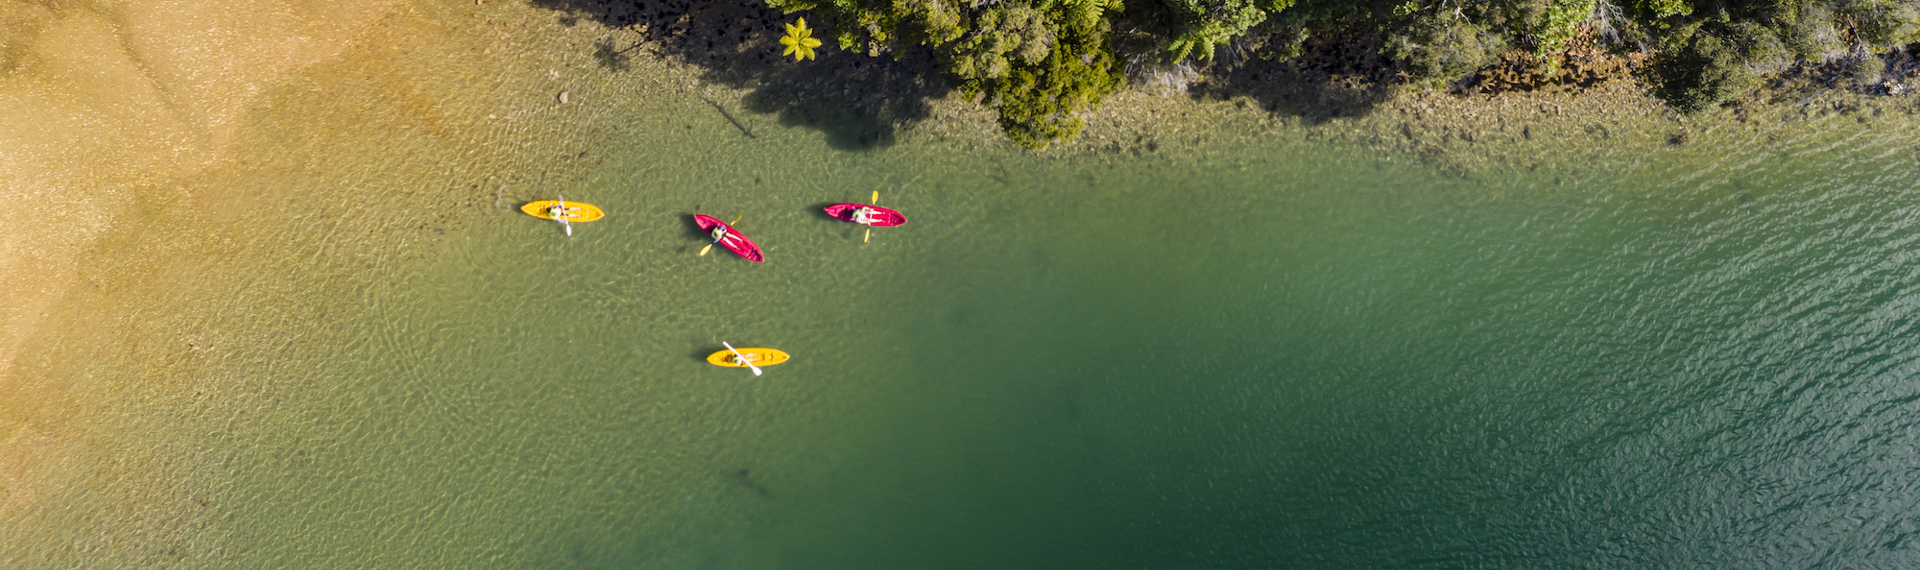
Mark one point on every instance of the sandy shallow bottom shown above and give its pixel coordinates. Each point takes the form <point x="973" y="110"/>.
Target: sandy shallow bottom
<point x="163" y="142"/>
<point x="217" y="181"/>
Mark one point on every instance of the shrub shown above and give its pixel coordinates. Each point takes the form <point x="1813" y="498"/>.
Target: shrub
<point x="1760" y="49"/>
<point x="1443" y="46"/>
<point x="1866" y="70"/>
<point x="1558" y="25"/>
<point x="1883" y="23"/>
<point x="1212" y="23"/>
<point x="1705" y="73"/>
<point x="1005" y="36"/>
<point x="1664" y="8"/>
<point x="1043" y="103"/>
<point x="1807" y="30"/>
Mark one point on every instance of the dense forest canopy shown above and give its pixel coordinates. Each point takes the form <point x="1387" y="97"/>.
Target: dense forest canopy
<point x="1044" y="64"/>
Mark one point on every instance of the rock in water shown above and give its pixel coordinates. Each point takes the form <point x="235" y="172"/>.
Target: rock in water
<point x="563" y="97"/>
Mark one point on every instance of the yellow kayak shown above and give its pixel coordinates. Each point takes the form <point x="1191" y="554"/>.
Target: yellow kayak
<point x="758" y="356"/>
<point x="576" y="211"/>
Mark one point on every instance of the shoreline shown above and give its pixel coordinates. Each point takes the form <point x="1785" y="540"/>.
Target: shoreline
<point x="1332" y="73"/>
<point x="1336" y="92"/>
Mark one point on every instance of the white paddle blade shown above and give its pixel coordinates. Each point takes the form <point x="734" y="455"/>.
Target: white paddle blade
<point x="742" y="357"/>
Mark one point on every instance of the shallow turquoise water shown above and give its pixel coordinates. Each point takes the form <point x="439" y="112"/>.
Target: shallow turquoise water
<point x="1264" y="355"/>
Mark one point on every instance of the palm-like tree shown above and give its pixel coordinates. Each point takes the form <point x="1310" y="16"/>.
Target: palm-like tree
<point x="799" y="41"/>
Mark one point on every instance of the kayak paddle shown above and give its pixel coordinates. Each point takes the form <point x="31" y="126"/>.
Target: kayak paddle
<point x="742" y="357"/>
<point x="561" y="216"/>
<point x="876" y="202"/>
<point x="703" y="251"/>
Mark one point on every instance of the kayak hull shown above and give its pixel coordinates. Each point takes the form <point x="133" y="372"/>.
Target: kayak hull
<point x="576" y="211"/>
<point x="883" y="217"/>
<point x="736" y="243"/>
<point x="758" y="356"/>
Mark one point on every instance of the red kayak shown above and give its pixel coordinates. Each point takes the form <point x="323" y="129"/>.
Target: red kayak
<point x="732" y="240"/>
<point x="876" y="216"/>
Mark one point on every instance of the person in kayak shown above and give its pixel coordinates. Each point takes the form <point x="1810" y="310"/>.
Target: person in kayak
<point x="719" y="233"/>
<point x="864" y="215"/>
<point x="559" y="212"/>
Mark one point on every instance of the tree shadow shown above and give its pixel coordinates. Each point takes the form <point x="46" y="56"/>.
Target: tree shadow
<point x="858" y="102"/>
<point x="1337" y="75"/>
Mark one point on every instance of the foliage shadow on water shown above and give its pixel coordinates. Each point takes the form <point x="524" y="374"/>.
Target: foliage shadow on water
<point x="858" y="102"/>
<point x="1336" y="77"/>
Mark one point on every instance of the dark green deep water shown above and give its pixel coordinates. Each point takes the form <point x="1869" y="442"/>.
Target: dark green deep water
<point x="1254" y="356"/>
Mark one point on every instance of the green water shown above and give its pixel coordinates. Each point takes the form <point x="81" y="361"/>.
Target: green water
<point x="1259" y="352"/>
<point x="1270" y="355"/>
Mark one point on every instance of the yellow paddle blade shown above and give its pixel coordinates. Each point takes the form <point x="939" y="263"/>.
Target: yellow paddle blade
<point x="703" y="251"/>
<point x="876" y="196"/>
<point x="869" y="236"/>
